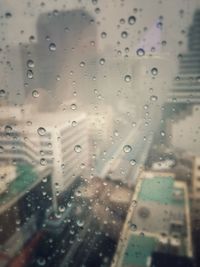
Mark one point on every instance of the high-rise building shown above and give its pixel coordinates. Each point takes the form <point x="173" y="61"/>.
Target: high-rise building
<point x="186" y="87"/>
<point x="56" y="141"/>
<point x="157" y="224"/>
<point x="62" y="59"/>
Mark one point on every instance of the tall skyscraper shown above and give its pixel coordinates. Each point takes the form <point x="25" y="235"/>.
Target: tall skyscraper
<point x="186" y="87"/>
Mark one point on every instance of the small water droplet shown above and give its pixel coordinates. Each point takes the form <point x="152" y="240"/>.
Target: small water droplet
<point x="153" y="98"/>
<point x="82" y="64"/>
<point x="77" y="148"/>
<point x="127" y="78"/>
<point x="52" y="47"/>
<point x="30" y="63"/>
<point x="8" y="129"/>
<point x="29" y="74"/>
<point x="73" y="106"/>
<point x="122" y="21"/>
<point x="131" y="20"/>
<point x="102" y="61"/>
<point x="41" y="131"/>
<point x="61" y="208"/>
<point x="133" y="162"/>
<point x="103" y="35"/>
<point x="1" y="149"/>
<point x="133" y="227"/>
<point x="124" y="34"/>
<point x="154" y="71"/>
<point x="162" y="133"/>
<point x="41" y="261"/>
<point x="2" y="93"/>
<point x="43" y="162"/>
<point x="35" y="93"/>
<point x="80" y="223"/>
<point x="127" y="148"/>
<point x="74" y="123"/>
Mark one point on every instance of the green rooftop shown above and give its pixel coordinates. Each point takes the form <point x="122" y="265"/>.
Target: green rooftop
<point x="25" y="177"/>
<point x="159" y="189"/>
<point x="139" y="248"/>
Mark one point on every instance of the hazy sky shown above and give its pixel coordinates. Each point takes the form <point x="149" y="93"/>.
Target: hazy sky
<point x="107" y="17"/>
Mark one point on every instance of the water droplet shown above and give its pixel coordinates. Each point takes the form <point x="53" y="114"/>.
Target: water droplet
<point x="30" y="63"/>
<point x="131" y="20"/>
<point x="43" y="162"/>
<point x="154" y="71"/>
<point x="133" y="162"/>
<point x="102" y="61"/>
<point x="82" y="64"/>
<point x="103" y="35"/>
<point x="2" y="93"/>
<point x="52" y="47"/>
<point x="124" y="34"/>
<point x="127" y="78"/>
<point x="73" y="106"/>
<point x="122" y="21"/>
<point x="41" y="131"/>
<point x="162" y="133"/>
<point x="8" y="129"/>
<point x="61" y="208"/>
<point x="29" y="74"/>
<point x="140" y="52"/>
<point x="127" y="149"/>
<point x="41" y="261"/>
<point x="153" y="98"/>
<point x="35" y="93"/>
<point x="1" y="149"/>
<point x="133" y="227"/>
<point x="77" y="148"/>
<point x="74" y="123"/>
<point x="8" y="15"/>
<point x="80" y="223"/>
<point x="134" y="203"/>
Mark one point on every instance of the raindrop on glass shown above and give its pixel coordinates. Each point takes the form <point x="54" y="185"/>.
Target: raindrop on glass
<point x="127" y="149"/>
<point x="154" y="71"/>
<point x="52" y="47"/>
<point x="35" y="93"/>
<point x="124" y="34"/>
<point x="41" y="131"/>
<point x="140" y="52"/>
<point x="127" y="78"/>
<point x="30" y="63"/>
<point x="131" y="20"/>
<point x="102" y="61"/>
<point x="29" y="74"/>
<point x="77" y="148"/>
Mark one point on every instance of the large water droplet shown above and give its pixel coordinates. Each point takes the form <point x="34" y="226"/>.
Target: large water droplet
<point x="131" y="20"/>
<point x="52" y="47"/>
<point x="140" y="52"/>
<point x="127" y="148"/>
<point x="43" y="162"/>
